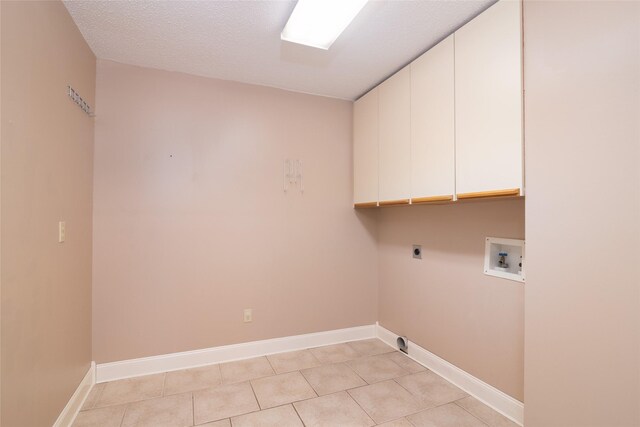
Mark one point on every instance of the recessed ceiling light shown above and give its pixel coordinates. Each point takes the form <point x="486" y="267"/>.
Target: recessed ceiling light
<point x="318" y="23"/>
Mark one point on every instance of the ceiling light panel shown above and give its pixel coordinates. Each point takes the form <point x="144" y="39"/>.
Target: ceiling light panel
<point x="318" y="23"/>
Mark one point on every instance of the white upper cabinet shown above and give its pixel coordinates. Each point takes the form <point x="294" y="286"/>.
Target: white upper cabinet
<point x="488" y="103"/>
<point x="395" y="138"/>
<point x="365" y="150"/>
<point x="433" y="125"/>
<point x="448" y="126"/>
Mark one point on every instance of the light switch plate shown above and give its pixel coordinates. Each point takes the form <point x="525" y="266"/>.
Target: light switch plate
<point x="248" y="315"/>
<point x="61" y="231"/>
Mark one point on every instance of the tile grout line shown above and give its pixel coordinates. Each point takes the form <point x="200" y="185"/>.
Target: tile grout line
<point x="298" y="413"/>
<point x="322" y="366"/>
<point x="469" y="412"/>
<point x="357" y="374"/>
<point x="412" y="395"/>
<point x="249" y="381"/>
<point x="313" y="356"/>
<point x="409" y="421"/>
<point x="308" y="383"/>
<point x="359" y="405"/>
<point x="397" y="364"/>
<point x="444" y="404"/>
<point x="216" y="421"/>
<point x="99" y="396"/>
<point x="409" y="391"/>
<point x="131" y="402"/>
<point x="346" y="391"/>
<point x="366" y="385"/>
<point x="93" y="405"/>
<point x="193" y="408"/>
<point x="266" y="409"/>
<point x="255" y="396"/>
<point x="220" y="375"/>
<point x="271" y="365"/>
<point x="123" y="414"/>
<point x="238" y="415"/>
<point x="356" y="351"/>
<point x="287" y="403"/>
<point x="435" y="405"/>
<point x="164" y="381"/>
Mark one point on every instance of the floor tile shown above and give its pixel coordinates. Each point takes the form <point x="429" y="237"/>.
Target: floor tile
<point x="244" y="370"/>
<point x="370" y="347"/>
<point x="293" y="361"/>
<point x="431" y="388"/>
<point x="449" y="415"/>
<point x="386" y="401"/>
<point x="337" y="409"/>
<point x="485" y="413"/>
<point x="401" y="422"/>
<point x="171" y="411"/>
<point x="405" y="362"/>
<point x="93" y="396"/>
<point x="329" y="379"/>
<point x="281" y="389"/>
<point x="110" y="416"/>
<point x="131" y="390"/>
<point x="374" y="369"/>
<point x="191" y="379"/>
<point x="334" y="353"/>
<point x="223" y="401"/>
<point x="282" y="416"/>
<point x="222" y="423"/>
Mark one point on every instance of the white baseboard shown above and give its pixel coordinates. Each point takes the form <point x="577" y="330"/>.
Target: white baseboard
<point x="489" y="395"/>
<point x="70" y="411"/>
<point x="191" y="359"/>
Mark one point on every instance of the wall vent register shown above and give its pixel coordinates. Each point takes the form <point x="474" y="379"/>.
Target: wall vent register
<point x="75" y="97"/>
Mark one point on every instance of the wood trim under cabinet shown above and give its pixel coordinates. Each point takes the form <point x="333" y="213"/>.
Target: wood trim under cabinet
<point x="431" y="199"/>
<point x="493" y="193"/>
<point x="365" y="205"/>
<point x="394" y="202"/>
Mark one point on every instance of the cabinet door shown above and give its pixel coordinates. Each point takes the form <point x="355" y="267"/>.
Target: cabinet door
<point x="365" y="150"/>
<point x="395" y="138"/>
<point x="488" y="86"/>
<point x="433" y="125"/>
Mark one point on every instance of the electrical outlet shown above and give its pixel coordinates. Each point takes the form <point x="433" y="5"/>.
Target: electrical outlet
<point x="417" y="251"/>
<point x="61" y="231"/>
<point x="248" y="315"/>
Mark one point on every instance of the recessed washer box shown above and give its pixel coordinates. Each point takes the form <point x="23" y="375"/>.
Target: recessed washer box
<point x="504" y="258"/>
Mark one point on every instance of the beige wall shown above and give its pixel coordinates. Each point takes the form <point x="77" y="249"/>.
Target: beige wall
<point x="191" y="224"/>
<point x="582" y="323"/>
<point x="444" y="302"/>
<point x="47" y="152"/>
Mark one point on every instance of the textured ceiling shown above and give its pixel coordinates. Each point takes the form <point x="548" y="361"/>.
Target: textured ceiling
<point x="240" y="40"/>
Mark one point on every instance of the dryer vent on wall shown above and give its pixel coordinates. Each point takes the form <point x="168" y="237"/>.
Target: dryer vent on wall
<point x="403" y="344"/>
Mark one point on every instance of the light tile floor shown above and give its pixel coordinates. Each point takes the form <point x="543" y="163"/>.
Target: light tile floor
<point x="360" y="383"/>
